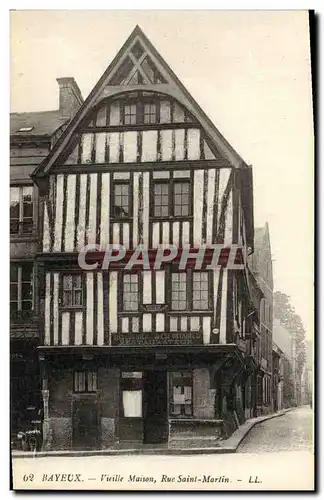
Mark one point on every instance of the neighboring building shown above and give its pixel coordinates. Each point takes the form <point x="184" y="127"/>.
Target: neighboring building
<point x="31" y="137"/>
<point x="260" y="264"/>
<point x="307" y="376"/>
<point x="154" y="355"/>
<point x="284" y="339"/>
<point x="277" y="378"/>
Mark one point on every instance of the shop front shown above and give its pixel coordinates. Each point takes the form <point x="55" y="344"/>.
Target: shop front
<point x="126" y="397"/>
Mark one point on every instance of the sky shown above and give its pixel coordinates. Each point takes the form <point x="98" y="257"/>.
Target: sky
<point x="250" y="72"/>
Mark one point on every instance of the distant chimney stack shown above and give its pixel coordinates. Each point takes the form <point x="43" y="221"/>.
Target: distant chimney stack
<point x="70" y="98"/>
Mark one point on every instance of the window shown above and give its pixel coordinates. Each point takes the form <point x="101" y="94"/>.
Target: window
<point x="131" y="394"/>
<point x="149" y="113"/>
<point x="161" y="200"/>
<point x="21" y="288"/>
<point x="130" y="292"/>
<point x="190" y="291"/>
<point x="171" y="199"/>
<point x="72" y="290"/>
<point x="21" y="210"/>
<point x="200" y="291"/>
<point x="121" y="207"/>
<point x="181" y="394"/>
<point x="130" y="114"/>
<point x="181" y="199"/>
<point x="85" y="381"/>
<point x="179" y="291"/>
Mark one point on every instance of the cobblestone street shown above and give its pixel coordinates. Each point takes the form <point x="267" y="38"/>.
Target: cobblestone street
<point x="290" y="432"/>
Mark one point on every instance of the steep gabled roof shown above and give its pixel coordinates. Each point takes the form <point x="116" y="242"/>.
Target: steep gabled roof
<point x="167" y="75"/>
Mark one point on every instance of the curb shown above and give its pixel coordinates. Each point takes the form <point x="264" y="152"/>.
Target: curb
<point x="234" y="441"/>
<point x="229" y="445"/>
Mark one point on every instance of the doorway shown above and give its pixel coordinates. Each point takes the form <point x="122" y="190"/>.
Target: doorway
<point x="85" y="435"/>
<point x="155" y="404"/>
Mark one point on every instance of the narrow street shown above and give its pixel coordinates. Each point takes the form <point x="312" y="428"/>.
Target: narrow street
<point x="290" y="432"/>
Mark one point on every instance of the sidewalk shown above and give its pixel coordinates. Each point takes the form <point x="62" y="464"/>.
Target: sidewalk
<point x="229" y="445"/>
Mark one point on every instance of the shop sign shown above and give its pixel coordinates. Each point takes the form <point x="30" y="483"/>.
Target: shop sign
<point x="152" y="339"/>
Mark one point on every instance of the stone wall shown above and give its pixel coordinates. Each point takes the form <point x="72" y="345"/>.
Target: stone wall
<point x="62" y="398"/>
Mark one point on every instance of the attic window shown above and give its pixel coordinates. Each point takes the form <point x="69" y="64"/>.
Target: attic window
<point x="25" y="129"/>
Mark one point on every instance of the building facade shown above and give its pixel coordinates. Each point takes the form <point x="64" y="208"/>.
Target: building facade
<point x="277" y="378"/>
<point x="284" y="339"/>
<point x="260" y="264"/>
<point x="143" y="355"/>
<point x="31" y="137"/>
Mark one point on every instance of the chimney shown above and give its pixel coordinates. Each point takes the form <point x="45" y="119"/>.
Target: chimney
<point x="70" y="98"/>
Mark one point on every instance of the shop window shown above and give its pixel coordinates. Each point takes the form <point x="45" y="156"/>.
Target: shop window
<point x="181" y="394"/>
<point x="72" y="290"/>
<point x="21" y="288"/>
<point x="85" y="381"/>
<point x="21" y="210"/>
<point x="131" y="395"/>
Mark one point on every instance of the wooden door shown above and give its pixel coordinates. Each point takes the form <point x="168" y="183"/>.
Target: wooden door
<point x="85" y="434"/>
<point x="155" y="407"/>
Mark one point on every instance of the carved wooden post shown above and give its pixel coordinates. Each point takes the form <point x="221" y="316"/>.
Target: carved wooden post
<point x="45" y="395"/>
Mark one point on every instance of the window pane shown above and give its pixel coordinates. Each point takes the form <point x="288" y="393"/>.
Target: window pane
<point x="181" y="199"/>
<point x="121" y="200"/>
<point x="26" y="305"/>
<point x="92" y="381"/>
<point x="67" y="282"/>
<point x="200" y="291"/>
<point x="132" y="403"/>
<point x="14" y="209"/>
<point x="78" y="298"/>
<point x="14" y="195"/>
<point x="77" y="281"/>
<point x="79" y="381"/>
<point x="161" y="200"/>
<point x="27" y="226"/>
<point x="67" y="298"/>
<point x="26" y="272"/>
<point x="14" y="291"/>
<point x="130" y="292"/>
<point x="13" y="308"/>
<point x="13" y="273"/>
<point x="26" y="291"/>
<point x="14" y="226"/>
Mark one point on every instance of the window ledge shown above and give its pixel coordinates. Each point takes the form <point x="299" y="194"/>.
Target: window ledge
<point x="71" y="308"/>
<point x="207" y="312"/>
<point x="16" y="238"/>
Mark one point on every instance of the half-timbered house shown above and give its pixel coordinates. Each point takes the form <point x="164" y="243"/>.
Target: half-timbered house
<point x="146" y="356"/>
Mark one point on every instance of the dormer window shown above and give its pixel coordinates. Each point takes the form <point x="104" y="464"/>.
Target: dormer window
<point x="25" y="129"/>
